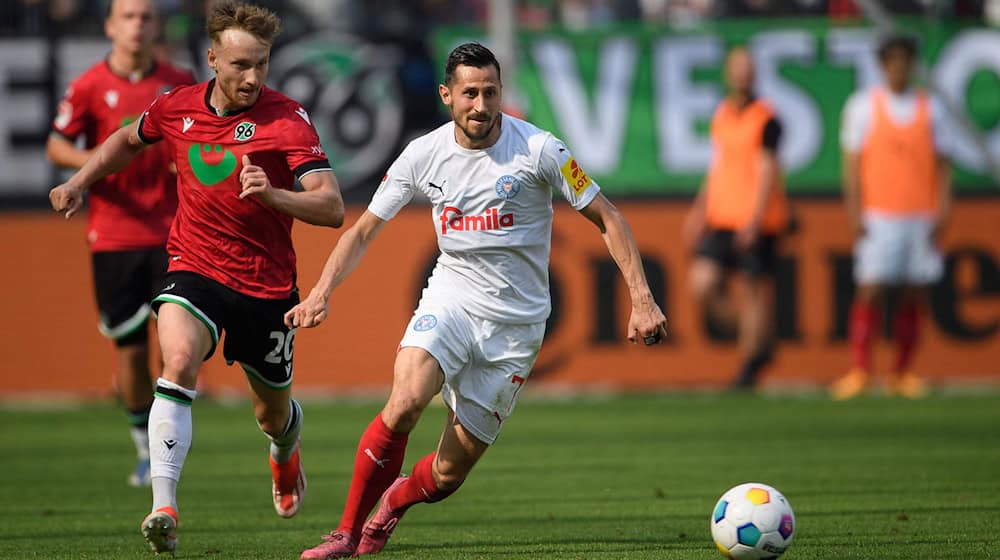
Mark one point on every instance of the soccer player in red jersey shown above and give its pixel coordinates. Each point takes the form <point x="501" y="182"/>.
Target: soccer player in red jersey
<point x="130" y="212"/>
<point x="239" y="147"/>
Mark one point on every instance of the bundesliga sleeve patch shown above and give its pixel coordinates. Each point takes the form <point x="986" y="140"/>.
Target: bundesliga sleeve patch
<point x="575" y="176"/>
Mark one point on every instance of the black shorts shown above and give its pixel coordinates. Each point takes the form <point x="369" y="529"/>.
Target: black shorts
<point x="124" y="284"/>
<point x="759" y="260"/>
<point x="256" y="335"/>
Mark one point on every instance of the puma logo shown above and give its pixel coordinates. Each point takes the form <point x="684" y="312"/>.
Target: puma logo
<point x="380" y="462"/>
<point x="441" y="188"/>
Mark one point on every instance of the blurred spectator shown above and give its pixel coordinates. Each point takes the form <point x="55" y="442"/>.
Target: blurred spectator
<point x="682" y="13"/>
<point x="738" y="217"/>
<point x="897" y="188"/>
<point x="85" y="17"/>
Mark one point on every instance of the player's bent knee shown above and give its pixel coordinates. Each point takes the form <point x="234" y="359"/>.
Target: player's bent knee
<point x="181" y="369"/>
<point x="703" y="281"/>
<point x="402" y="413"/>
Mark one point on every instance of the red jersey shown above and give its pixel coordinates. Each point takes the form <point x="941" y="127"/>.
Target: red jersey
<point x="241" y="243"/>
<point x="131" y="209"/>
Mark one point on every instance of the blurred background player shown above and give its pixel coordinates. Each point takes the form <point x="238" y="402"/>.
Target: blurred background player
<point x="479" y="325"/>
<point x="738" y="216"/>
<point x="130" y="212"/>
<point x="239" y="148"/>
<point x="897" y="188"/>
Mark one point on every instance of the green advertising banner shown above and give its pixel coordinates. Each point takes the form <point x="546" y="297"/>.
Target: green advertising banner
<point x="634" y="101"/>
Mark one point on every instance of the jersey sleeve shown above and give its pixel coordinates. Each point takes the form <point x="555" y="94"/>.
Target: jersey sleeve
<point x="772" y="134"/>
<point x="561" y="171"/>
<point x="854" y="122"/>
<point x="395" y="191"/>
<point x="73" y="115"/>
<point x="148" y="128"/>
<point x="304" y="152"/>
<point x="942" y="129"/>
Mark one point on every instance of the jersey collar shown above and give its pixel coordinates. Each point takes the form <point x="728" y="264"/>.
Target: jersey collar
<point x="138" y="76"/>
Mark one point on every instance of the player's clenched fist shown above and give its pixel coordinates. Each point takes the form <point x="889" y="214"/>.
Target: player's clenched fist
<point x="648" y="323"/>
<point x="308" y="313"/>
<point x="253" y="179"/>
<point x="66" y="198"/>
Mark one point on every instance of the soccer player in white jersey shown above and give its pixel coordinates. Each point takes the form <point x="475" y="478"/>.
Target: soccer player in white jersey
<point x="479" y="324"/>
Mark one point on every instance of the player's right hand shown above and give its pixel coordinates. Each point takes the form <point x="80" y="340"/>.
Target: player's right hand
<point x="308" y="313"/>
<point x="66" y="198"/>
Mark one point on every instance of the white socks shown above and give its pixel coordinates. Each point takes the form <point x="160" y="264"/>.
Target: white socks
<point x="170" y="435"/>
<point x="140" y="437"/>
<point x="283" y="446"/>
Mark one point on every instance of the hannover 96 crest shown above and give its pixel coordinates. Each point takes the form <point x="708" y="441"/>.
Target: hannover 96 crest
<point x="244" y="131"/>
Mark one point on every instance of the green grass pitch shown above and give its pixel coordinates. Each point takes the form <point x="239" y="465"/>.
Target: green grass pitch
<point x="611" y="478"/>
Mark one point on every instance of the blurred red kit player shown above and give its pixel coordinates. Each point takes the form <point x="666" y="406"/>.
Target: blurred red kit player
<point x="130" y="211"/>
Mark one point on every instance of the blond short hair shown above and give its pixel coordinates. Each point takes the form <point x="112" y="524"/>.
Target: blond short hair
<point x="255" y="20"/>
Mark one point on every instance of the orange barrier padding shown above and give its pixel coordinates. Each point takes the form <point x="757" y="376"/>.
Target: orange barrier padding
<point x="50" y="342"/>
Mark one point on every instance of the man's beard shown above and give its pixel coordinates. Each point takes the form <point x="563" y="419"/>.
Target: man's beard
<point x="468" y="132"/>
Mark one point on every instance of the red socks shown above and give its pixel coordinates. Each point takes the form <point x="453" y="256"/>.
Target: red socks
<point x="906" y="332"/>
<point x="376" y="466"/>
<point x="864" y="320"/>
<point x="420" y="487"/>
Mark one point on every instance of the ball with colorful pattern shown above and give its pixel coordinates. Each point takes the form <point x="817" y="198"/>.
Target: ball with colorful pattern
<point x="752" y="521"/>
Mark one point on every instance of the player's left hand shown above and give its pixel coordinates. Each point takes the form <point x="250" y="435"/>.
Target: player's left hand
<point x="310" y="312"/>
<point x="254" y="180"/>
<point x="647" y="322"/>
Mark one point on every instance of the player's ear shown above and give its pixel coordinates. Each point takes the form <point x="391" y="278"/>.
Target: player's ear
<point x="108" y="29"/>
<point x="212" y="59"/>
<point x="445" y="94"/>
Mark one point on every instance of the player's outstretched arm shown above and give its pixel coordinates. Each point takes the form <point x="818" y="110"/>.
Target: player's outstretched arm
<point x="344" y="258"/>
<point x="319" y="203"/>
<point x="111" y="156"/>
<point x="647" y="320"/>
<point x="64" y="153"/>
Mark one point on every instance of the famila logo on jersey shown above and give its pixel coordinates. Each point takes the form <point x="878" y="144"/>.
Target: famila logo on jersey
<point x="454" y="219"/>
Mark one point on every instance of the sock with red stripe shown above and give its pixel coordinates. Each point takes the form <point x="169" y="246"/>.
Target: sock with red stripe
<point x="376" y="466"/>
<point x="906" y="333"/>
<point x="420" y="486"/>
<point x="864" y="319"/>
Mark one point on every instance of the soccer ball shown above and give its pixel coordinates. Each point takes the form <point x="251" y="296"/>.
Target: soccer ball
<point x="752" y="521"/>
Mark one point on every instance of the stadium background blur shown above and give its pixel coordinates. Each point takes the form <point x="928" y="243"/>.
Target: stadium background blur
<point x="629" y="85"/>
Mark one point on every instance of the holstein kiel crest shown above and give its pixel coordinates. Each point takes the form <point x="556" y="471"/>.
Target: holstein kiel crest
<point x="508" y="186"/>
<point x="425" y="323"/>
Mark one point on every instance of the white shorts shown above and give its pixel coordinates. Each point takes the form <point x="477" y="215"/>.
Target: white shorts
<point x="485" y="363"/>
<point x="897" y="250"/>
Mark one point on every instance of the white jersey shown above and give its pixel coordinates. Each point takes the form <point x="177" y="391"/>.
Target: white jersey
<point x="902" y="108"/>
<point x="492" y="211"/>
